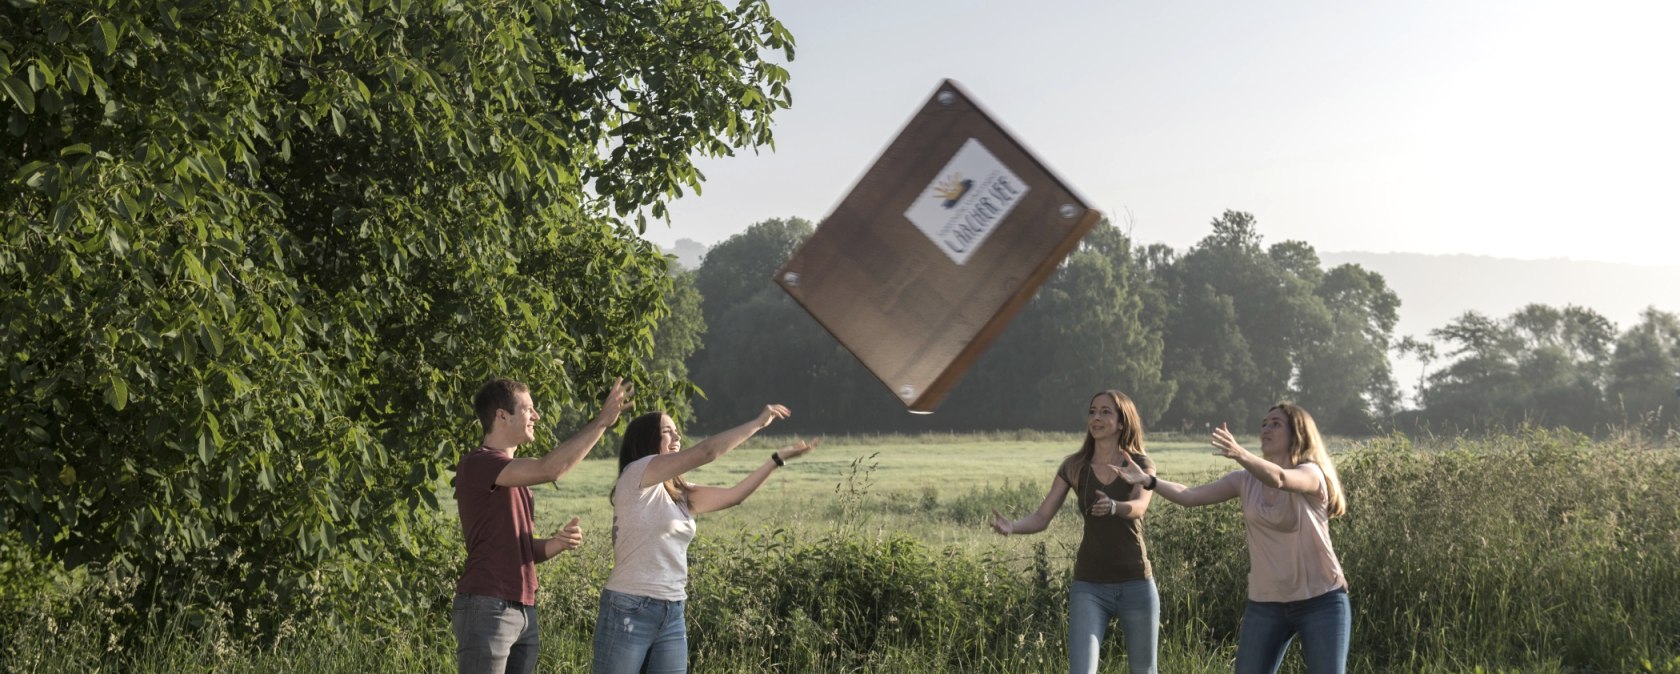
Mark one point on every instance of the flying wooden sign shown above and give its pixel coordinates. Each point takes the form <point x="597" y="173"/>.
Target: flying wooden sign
<point x="936" y="248"/>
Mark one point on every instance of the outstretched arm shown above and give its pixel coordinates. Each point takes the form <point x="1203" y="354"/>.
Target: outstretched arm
<point x="667" y="466"/>
<point x="524" y="472"/>
<point x="1297" y="479"/>
<point x="1129" y="508"/>
<point x="1039" y="519"/>
<point x="709" y="499"/>
<point x="1207" y="494"/>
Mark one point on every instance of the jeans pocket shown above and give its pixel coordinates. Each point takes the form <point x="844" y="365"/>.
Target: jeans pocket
<point x="626" y="604"/>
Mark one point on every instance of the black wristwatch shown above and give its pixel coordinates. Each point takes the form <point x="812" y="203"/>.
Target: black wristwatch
<point x="1151" y="485"/>
<point x="777" y="457"/>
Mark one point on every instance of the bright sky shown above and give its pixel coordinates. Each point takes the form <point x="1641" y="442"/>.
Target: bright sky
<point x="1522" y="129"/>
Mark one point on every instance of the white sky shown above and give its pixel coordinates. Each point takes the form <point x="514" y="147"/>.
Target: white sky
<point x="1532" y="129"/>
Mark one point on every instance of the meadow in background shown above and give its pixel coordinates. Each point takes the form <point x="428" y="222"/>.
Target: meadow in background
<point x="1534" y="551"/>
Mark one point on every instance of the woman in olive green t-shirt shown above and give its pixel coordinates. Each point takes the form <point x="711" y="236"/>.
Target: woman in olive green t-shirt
<point x="1111" y="577"/>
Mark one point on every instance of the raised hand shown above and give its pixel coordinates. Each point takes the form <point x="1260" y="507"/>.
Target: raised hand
<point x="569" y="536"/>
<point x="798" y="449"/>
<point x="1129" y="471"/>
<point x="617" y="399"/>
<point x="1002" y="526"/>
<point x="772" y="413"/>
<point x="1225" y="444"/>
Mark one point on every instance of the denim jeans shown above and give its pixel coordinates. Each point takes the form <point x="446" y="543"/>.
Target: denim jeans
<point x="1325" y="624"/>
<point x="640" y="635"/>
<point x="494" y="635"/>
<point x="1137" y="606"/>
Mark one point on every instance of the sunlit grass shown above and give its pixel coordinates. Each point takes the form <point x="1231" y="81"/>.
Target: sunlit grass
<point x="1534" y="552"/>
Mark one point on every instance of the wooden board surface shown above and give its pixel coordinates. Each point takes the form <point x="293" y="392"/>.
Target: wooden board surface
<point x="936" y="248"/>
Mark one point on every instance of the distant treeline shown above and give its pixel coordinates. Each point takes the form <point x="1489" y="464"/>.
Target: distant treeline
<point x="1216" y="333"/>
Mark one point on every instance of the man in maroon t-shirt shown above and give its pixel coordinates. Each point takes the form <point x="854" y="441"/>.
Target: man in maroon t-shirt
<point x="495" y="617"/>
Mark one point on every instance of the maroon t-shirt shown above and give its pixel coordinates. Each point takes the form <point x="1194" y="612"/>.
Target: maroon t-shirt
<point x="496" y="522"/>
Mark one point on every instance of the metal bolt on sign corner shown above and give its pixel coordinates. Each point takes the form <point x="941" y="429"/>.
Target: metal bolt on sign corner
<point x="907" y="392"/>
<point x="791" y="278"/>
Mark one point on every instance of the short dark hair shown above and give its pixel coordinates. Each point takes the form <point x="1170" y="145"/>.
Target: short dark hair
<point x="496" y="394"/>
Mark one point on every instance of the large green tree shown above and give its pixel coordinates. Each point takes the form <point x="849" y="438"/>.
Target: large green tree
<point x="761" y="347"/>
<point x="1539" y="365"/>
<point x="1215" y="335"/>
<point x="257" y="255"/>
<point x="1644" y="373"/>
<point x="1343" y="374"/>
<point x="1248" y="325"/>
<point x="1083" y="332"/>
<point x="1237" y="321"/>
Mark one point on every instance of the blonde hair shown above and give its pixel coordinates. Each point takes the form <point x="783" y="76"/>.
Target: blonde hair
<point x="1307" y="446"/>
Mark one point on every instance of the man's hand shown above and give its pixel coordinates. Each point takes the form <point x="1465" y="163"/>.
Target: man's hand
<point x="617" y="399"/>
<point x="569" y="537"/>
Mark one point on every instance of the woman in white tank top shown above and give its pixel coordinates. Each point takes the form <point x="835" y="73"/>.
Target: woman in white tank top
<point x="640" y="626"/>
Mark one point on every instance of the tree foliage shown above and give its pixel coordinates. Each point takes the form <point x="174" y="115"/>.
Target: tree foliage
<point x="763" y="348"/>
<point x="1215" y="335"/>
<point x="1643" y="384"/>
<point x="1085" y="331"/>
<point x="258" y="255"/>
<point x="1540" y="365"/>
<point x="1249" y="326"/>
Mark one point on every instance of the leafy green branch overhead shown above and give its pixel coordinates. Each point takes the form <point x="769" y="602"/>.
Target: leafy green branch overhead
<point x="257" y="255"/>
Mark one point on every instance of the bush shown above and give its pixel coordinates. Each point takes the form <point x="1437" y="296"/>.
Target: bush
<point x="1536" y="551"/>
<point x="255" y="258"/>
<point x="848" y="601"/>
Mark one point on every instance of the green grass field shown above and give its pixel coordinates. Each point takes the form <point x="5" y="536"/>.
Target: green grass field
<point x="883" y="485"/>
<point x="1539" y="551"/>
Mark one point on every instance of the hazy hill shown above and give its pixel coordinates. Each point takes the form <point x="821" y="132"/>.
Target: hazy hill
<point x="688" y="252"/>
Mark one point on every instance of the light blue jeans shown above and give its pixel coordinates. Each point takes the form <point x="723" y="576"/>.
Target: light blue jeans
<point x="1325" y="624"/>
<point x="1135" y="604"/>
<point x="494" y="635"/>
<point x="639" y="635"/>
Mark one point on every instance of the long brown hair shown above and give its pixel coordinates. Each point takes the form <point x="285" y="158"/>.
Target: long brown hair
<point x="641" y="440"/>
<point x="1131" y="427"/>
<point x="1307" y="446"/>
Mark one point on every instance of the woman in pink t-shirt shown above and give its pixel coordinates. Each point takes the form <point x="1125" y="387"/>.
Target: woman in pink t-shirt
<point x="1295" y="583"/>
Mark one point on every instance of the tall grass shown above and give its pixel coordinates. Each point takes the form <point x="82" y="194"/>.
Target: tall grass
<point x="1533" y="552"/>
<point x="1540" y="543"/>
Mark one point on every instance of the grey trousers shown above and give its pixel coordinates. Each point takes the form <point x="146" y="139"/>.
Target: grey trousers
<point x="494" y="635"/>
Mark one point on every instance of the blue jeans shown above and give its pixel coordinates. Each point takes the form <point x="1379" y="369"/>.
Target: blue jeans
<point x="1325" y="624"/>
<point x="1137" y="606"/>
<point x="639" y="635"/>
<point x="493" y="635"/>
